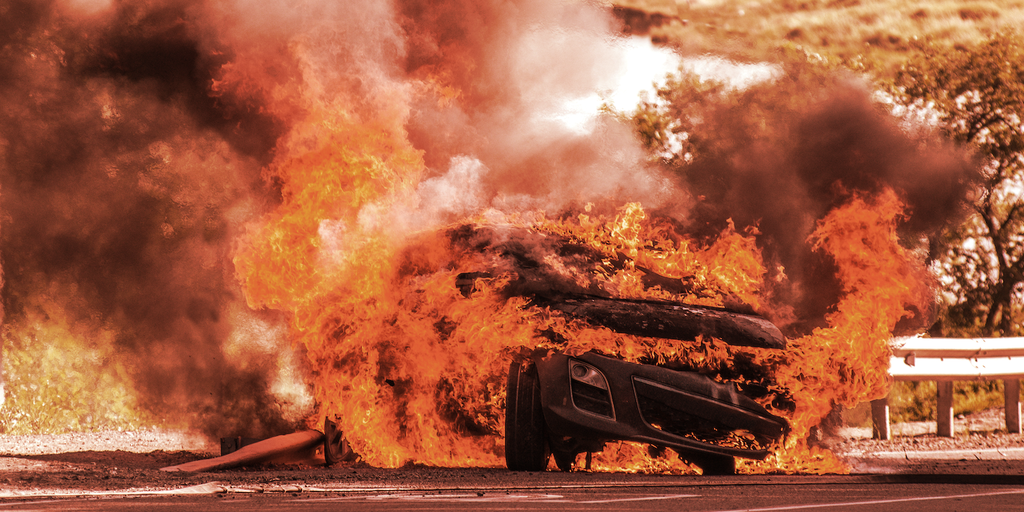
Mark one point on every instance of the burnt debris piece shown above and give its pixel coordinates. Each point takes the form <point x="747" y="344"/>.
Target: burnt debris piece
<point x="299" y="447"/>
<point x="233" y="444"/>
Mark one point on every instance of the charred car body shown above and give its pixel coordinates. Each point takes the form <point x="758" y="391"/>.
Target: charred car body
<point x="564" y="405"/>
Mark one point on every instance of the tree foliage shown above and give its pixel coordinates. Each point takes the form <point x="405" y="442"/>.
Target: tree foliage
<point x="698" y="117"/>
<point x="977" y="95"/>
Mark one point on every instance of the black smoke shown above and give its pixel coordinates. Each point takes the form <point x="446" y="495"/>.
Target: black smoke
<point x="783" y="166"/>
<point x="122" y="177"/>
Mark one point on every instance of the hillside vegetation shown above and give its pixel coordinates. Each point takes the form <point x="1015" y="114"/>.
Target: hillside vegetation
<point x="874" y="34"/>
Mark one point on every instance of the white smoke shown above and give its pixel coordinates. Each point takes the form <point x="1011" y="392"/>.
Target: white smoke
<point x="458" y="193"/>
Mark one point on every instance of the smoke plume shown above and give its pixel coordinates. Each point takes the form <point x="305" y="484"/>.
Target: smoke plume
<point x="140" y="139"/>
<point x="783" y="170"/>
<point x="124" y="183"/>
<point x="143" y="143"/>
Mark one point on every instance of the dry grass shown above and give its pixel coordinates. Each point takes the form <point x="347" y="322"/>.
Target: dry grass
<point x="876" y="33"/>
<point x="57" y="382"/>
<point x="667" y="7"/>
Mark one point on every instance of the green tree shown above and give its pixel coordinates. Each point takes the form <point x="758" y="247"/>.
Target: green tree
<point x="977" y="95"/>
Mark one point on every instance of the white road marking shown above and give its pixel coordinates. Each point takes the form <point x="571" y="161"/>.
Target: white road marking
<point x="496" y="498"/>
<point x="876" y="502"/>
<point x="645" y="498"/>
<point x="548" y="498"/>
<point x="207" y="488"/>
<point x="487" y="488"/>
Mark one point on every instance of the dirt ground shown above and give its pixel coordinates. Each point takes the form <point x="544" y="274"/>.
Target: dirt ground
<point x="85" y="464"/>
<point x="130" y="461"/>
<point x="979" y="431"/>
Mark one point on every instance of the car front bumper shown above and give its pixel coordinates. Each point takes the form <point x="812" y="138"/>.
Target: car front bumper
<point x="598" y="398"/>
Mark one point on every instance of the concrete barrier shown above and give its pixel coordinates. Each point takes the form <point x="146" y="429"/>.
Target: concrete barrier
<point x="946" y="360"/>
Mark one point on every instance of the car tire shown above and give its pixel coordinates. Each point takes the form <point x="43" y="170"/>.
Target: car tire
<point x="526" y="443"/>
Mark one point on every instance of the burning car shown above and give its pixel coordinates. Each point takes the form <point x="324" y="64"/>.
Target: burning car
<point x="563" y="404"/>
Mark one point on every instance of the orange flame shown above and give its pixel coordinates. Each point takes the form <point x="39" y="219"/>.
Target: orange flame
<point x="414" y="371"/>
<point x="847" y="362"/>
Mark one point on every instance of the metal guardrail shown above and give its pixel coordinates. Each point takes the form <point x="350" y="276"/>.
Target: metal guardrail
<point x="945" y="360"/>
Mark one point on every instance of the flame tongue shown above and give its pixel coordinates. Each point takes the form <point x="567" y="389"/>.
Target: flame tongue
<point x="847" y="362"/>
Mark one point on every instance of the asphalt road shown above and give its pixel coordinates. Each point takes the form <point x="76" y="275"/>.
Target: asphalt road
<point x="978" y="486"/>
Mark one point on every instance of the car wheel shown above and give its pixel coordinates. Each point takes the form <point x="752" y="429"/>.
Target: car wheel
<point x="526" y="444"/>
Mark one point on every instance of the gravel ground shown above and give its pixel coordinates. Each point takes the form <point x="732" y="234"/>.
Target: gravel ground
<point x="119" y="461"/>
<point x="980" y="431"/>
<point x="142" y="441"/>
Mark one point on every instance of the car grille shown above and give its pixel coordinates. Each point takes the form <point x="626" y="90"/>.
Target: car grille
<point x="591" y="398"/>
<point x="677" y="421"/>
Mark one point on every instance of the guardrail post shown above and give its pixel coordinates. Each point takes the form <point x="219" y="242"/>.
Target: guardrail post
<point x="1011" y="405"/>
<point x="880" y="419"/>
<point x="944" y="410"/>
<point x="945" y="360"/>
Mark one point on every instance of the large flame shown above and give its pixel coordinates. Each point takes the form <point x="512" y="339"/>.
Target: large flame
<point x="352" y="159"/>
<point x="413" y="370"/>
<point x="847" y="362"/>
